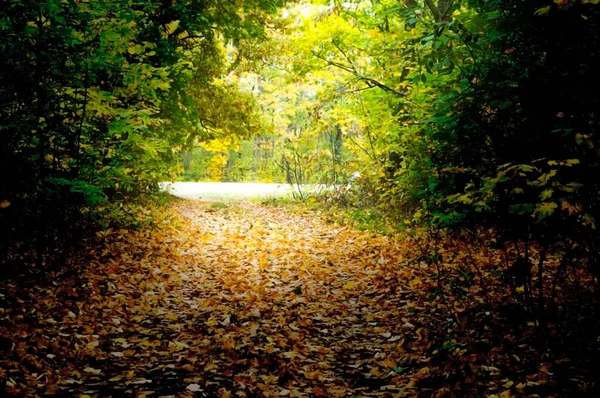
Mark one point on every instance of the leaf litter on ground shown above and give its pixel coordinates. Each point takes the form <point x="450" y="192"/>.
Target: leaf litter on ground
<point x="252" y="300"/>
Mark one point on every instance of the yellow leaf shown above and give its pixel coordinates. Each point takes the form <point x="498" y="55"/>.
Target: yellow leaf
<point x="388" y="363"/>
<point x="4" y="204"/>
<point x="292" y="355"/>
<point x="93" y="344"/>
<point x="545" y="209"/>
<point x="464" y="199"/>
<point x="312" y="375"/>
<point x="546" y="194"/>
<point x="348" y="286"/>
<point x="543" y="10"/>
<point x="91" y="370"/>
<point x="171" y="317"/>
<point x="572" y="209"/>
<point x="374" y="33"/>
<point x="423" y="372"/>
<point x="172" y="26"/>
<point x="224" y="393"/>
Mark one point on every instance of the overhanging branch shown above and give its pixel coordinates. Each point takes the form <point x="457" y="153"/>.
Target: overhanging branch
<point x="369" y="81"/>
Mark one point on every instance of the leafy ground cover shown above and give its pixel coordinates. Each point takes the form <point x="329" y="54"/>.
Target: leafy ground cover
<point x="243" y="299"/>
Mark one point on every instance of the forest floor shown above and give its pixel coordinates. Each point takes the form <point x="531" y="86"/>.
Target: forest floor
<point x="242" y="299"/>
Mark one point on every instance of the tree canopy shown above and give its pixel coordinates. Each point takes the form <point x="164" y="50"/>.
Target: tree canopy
<point x="100" y="97"/>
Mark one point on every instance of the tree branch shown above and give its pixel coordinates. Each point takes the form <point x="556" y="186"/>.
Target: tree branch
<point x="369" y="81"/>
<point x="441" y="11"/>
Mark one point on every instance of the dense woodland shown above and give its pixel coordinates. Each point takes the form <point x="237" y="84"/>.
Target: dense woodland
<point x="474" y="126"/>
<point x="100" y="97"/>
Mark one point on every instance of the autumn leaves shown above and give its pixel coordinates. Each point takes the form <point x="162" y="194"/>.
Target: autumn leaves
<point x="250" y="300"/>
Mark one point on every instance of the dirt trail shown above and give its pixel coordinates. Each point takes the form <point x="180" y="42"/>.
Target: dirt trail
<point x="236" y="300"/>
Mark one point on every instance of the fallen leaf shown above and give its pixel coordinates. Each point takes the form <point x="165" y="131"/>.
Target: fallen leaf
<point x="92" y="370"/>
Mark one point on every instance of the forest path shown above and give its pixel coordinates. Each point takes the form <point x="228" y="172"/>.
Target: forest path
<point x="223" y="300"/>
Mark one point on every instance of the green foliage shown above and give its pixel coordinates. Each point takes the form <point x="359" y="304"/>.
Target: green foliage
<point x="458" y="114"/>
<point x="99" y="98"/>
<point x="512" y="144"/>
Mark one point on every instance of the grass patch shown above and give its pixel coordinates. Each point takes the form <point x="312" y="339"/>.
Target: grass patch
<point x="218" y="205"/>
